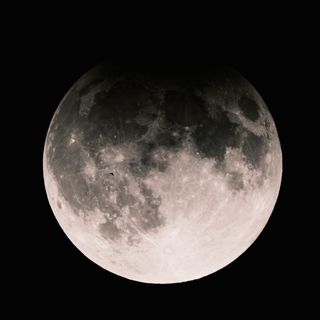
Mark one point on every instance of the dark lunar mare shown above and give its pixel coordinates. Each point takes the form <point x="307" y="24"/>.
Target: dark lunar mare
<point x="151" y="110"/>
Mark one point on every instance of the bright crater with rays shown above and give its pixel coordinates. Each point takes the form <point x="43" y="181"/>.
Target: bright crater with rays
<point x="162" y="178"/>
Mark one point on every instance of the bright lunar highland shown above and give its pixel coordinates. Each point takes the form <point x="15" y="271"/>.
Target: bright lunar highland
<point x="162" y="176"/>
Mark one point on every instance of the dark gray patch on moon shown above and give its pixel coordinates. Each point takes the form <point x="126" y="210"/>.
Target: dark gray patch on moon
<point x="236" y="180"/>
<point x="184" y="108"/>
<point x="145" y="216"/>
<point x="254" y="148"/>
<point x="216" y="134"/>
<point x="76" y="191"/>
<point x="145" y="160"/>
<point x="150" y="217"/>
<point x="249" y="107"/>
<point x="110" y="231"/>
<point x="117" y="119"/>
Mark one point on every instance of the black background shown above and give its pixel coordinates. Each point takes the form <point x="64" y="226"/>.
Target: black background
<point x="52" y="50"/>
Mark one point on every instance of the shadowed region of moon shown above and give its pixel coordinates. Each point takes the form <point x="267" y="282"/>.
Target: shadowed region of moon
<point x="162" y="177"/>
<point x="249" y="107"/>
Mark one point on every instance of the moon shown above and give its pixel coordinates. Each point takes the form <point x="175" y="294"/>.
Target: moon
<point x="162" y="176"/>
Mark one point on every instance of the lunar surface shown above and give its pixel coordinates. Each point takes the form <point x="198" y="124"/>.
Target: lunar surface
<point x="162" y="177"/>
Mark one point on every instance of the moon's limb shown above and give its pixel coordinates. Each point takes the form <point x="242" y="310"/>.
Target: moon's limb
<point x="185" y="198"/>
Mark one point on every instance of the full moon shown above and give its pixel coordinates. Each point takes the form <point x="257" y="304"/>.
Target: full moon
<point x="162" y="176"/>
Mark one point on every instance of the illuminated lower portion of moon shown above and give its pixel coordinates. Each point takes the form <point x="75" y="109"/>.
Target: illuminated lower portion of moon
<point x="185" y="217"/>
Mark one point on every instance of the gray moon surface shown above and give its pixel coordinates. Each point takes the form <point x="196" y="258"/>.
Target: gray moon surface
<point x="162" y="176"/>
